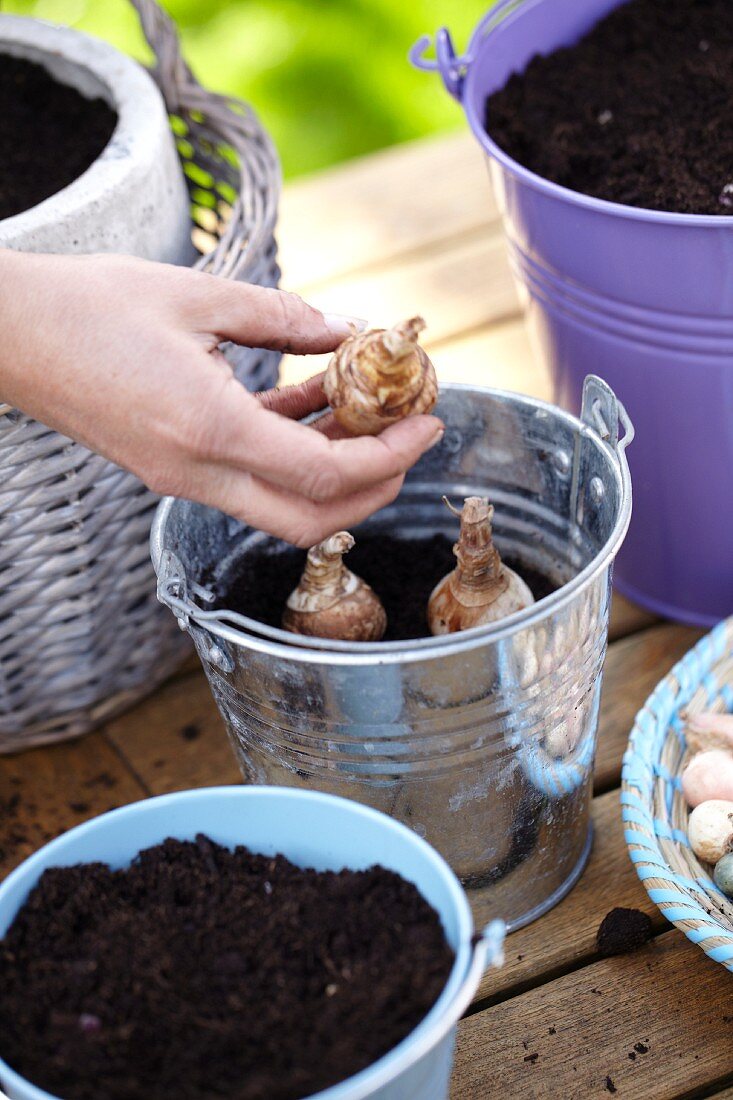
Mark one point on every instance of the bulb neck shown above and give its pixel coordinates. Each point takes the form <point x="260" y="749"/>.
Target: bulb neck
<point x="324" y="566"/>
<point x="399" y="342"/>
<point x="479" y="565"/>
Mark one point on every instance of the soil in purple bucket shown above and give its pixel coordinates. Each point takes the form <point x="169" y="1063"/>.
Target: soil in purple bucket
<point x="201" y="972"/>
<point x="637" y="112"/>
<point x="403" y="573"/>
<point x="49" y="134"/>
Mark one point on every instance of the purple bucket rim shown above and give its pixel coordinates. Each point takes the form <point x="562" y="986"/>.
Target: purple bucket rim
<point x="505" y="12"/>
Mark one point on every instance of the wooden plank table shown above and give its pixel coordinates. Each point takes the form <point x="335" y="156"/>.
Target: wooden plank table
<point x="414" y="229"/>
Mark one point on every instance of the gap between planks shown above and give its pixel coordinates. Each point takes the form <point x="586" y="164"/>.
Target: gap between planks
<point x="634" y="666"/>
<point x="570" y="1036"/>
<point x="565" y="938"/>
<point x="45" y="791"/>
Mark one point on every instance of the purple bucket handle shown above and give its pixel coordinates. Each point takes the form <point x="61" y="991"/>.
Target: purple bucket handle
<point x="452" y="68"/>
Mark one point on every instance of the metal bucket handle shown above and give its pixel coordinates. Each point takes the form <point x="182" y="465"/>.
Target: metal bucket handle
<point x="603" y="412"/>
<point x="452" y="67"/>
<point x="173" y="591"/>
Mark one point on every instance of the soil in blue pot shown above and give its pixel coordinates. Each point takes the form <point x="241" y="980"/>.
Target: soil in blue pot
<point x="200" y="972"/>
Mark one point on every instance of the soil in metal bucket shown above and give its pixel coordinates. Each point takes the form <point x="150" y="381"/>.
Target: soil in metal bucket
<point x="49" y="134"/>
<point x="403" y="573"/>
<point x="201" y="972"/>
<point x="637" y="112"/>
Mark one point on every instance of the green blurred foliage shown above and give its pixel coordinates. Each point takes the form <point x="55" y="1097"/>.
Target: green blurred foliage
<point x="329" y="78"/>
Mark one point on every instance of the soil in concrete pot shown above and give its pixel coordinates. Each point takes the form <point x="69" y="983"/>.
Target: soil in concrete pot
<point x="638" y="112"/>
<point x="403" y="573"/>
<point x="49" y="134"/>
<point x="200" y="972"/>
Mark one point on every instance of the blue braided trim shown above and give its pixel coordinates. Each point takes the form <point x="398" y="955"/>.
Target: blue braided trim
<point x="683" y="899"/>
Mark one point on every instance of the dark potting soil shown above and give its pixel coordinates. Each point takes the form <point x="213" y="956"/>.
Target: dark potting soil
<point x="200" y="972"/>
<point x="49" y="134"/>
<point x="403" y="573"/>
<point x="623" y="930"/>
<point x="638" y="112"/>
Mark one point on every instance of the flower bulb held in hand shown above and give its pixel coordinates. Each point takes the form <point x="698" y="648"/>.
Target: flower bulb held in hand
<point x="376" y="378"/>
<point x="481" y="589"/>
<point x="331" y="601"/>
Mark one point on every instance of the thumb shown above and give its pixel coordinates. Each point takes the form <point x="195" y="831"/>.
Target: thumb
<point x="261" y="317"/>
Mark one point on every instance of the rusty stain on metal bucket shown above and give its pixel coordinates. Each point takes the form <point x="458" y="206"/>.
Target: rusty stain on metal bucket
<point x="483" y="742"/>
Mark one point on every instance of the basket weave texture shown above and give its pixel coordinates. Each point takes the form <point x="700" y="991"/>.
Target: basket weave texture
<point x="655" y="813"/>
<point x="82" y="635"/>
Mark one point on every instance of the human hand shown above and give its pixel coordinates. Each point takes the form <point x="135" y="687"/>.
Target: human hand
<point x="122" y="355"/>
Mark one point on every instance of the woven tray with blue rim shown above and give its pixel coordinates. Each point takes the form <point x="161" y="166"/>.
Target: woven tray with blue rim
<point x="655" y="812"/>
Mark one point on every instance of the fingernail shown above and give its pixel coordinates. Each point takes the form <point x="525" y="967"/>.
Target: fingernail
<point x="436" y="438"/>
<point x="341" y="325"/>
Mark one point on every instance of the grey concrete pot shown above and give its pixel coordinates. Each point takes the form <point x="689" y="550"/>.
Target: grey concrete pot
<point x="133" y="198"/>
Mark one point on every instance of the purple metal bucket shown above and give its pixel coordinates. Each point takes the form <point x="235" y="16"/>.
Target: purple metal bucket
<point x="642" y="298"/>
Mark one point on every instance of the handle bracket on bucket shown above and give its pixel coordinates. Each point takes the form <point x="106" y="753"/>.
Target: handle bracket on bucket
<point x="173" y="590"/>
<point x="603" y="412"/>
<point x="172" y="587"/>
<point x="452" y="68"/>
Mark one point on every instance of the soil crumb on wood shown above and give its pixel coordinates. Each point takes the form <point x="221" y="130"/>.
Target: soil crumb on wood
<point x="403" y="573"/>
<point x="638" y="112"/>
<point x="200" y="972"/>
<point x="623" y="930"/>
<point x="49" y="134"/>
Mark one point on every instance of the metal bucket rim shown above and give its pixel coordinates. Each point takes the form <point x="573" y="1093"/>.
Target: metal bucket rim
<point x="246" y="633"/>
<point x="479" y="44"/>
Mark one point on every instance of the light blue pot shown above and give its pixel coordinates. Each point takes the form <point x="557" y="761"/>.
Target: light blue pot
<point x="312" y="830"/>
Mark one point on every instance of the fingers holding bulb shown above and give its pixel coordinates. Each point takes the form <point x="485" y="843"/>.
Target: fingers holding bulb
<point x="296" y="402"/>
<point x="283" y="514"/>
<point x="292" y="456"/>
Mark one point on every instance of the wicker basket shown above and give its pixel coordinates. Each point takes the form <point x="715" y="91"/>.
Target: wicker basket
<point x="654" y="811"/>
<point x="82" y="635"/>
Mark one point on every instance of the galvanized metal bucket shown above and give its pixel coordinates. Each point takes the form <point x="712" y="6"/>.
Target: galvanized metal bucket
<point x="482" y="742"/>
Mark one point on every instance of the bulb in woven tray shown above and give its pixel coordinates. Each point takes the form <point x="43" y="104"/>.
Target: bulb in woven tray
<point x="708" y="775"/>
<point x="710" y="830"/>
<point x="379" y="377"/>
<point x="481" y="589"/>
<point x="723" y="874"/>
<point x="331" y="601"/>
<point x="708" y="730"/>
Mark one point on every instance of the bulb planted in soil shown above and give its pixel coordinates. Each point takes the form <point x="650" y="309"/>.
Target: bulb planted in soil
<point x="481" y="589"/>
<point x="403" y="568"/>
<point x="331" y="601"/>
